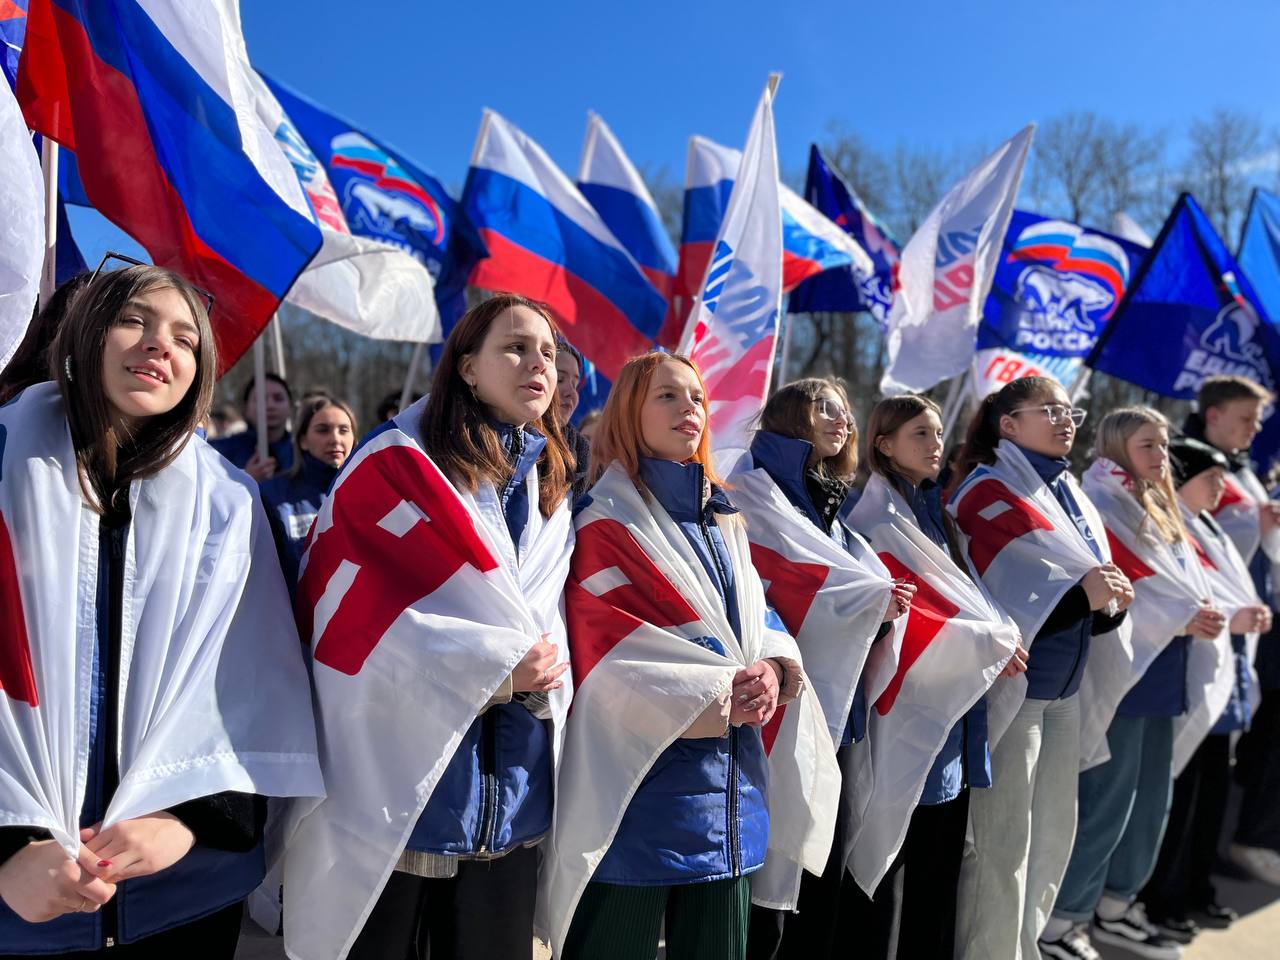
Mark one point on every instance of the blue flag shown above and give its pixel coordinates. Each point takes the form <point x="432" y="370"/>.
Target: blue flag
<point x="13" y="28"/>
<point x="1056" y="285"/>
<point x="387" y="197"/>
<point x="1191" y="313"/>
<point x="842" y="290"/>
<point x="1259" y="254"/>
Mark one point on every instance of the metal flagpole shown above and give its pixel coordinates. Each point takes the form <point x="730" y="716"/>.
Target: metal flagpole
<point x="49" y="168"/>
<point x="277" y="341"/>
<point x="955" y="402"/>
<point x="414" y="362"/>
<point x="1081" y="381"/>
<point x="260" y="394"/>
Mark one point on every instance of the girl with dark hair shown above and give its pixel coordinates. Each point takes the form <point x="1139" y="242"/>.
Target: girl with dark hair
<point x="666" y="797"/>
<point x="325" y="436"/>
<point x="465" y="859"/>
<point x="568" y="376"/>
<point x="792" y="490"/>
<point x="242" y="448"/>
<point x="916" y="895"/>
<point x="1016" y="504"/>
<point x="152" y="692"/>
<point x="30" y="362"/>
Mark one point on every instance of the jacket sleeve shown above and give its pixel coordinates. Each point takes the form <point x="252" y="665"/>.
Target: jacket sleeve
<point x="13" y="839"/>
<point x="791" y="682"/>
<point x="713" y="721"/>
<point x="1072" y="608"/>
<point x="225" y="821"/>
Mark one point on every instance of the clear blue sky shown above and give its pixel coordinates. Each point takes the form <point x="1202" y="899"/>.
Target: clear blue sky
<point x="925" y="73"/>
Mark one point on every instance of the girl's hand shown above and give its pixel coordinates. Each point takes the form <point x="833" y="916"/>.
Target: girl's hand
<point x="39" y="883"/>
<point x="1251" y="619"/>
<point x="538" y="671"/>
<point x="1017" y="663"/>
<point x="754" y="694"/>
<point x="1206" y="624"/>
<point x="260" y="468"/>
<point x="903" y="592"/>
<point x="138" y="847"/>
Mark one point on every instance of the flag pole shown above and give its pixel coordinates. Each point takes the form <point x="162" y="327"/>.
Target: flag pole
<point x="1079" y="383"/>
<point x="260" y="394"/>
<point x="414" y="362"/>
<point x="955" y="401"/>
<point x="277" y="341"/>
<point x="49" y="170"/>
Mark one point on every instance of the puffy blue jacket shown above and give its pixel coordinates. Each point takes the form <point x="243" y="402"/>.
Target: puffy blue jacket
<point x="1162" y="691"/>
<point x="496" y="793"/>
<point x="240" y="447"/>
<point x="292" y="503"/>
<point x="700" y="813"/>
<point x="965" y="758"/>
<point x="202" y="882"/>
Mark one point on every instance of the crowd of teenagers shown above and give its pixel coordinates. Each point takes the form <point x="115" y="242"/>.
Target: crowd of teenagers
<point x="638" y="734"/>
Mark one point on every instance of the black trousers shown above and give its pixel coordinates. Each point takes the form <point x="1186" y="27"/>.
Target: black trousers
<point x="1181" y="880"/>
<point x="483" y="913"/>
<point x="1258" y="772"/>
<point x="809" y="933"/>
<point x="913" y="914"/>
<point x="213" y="937"/>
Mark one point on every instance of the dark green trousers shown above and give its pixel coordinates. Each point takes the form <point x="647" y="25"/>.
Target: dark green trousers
<point x="703" y="921"/>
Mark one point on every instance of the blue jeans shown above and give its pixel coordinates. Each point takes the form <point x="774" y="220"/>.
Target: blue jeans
<point x="1124" y="806"/>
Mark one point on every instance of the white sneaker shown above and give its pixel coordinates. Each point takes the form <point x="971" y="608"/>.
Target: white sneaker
<point x="1138" y="935"/>
<point x="1261" y="863"/>
<point x="1074" y="945"/>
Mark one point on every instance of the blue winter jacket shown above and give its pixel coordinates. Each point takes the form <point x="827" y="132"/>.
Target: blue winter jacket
<point x="700" y="813"/>
<point x="202" y="882"/>
<point x="496" y="793"/>
<point x="292" y="503"/>
<point x="240" y="447"/>
<point x="965" y="758"/>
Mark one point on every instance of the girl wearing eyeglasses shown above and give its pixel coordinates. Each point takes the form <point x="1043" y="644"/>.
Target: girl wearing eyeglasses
<point x="1023" y="826"/>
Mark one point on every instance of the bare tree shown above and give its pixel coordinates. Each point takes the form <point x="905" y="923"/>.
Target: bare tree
<point x="1066" y="174"/>
<point x="861" y="165"/>
<point x="1131" y="173"/>
<point x="919" y="177"/>
<point x="1225" y="150"/>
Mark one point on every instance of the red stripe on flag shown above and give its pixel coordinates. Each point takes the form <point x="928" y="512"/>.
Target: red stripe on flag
<point x="929" y="613"/>
<point x="989" y="535"/>
<point x="16" y="676"/>
<point x="587" y="317"/>
<point x="792" y="586"/>
<point x="1205" y="560"/>
<point x="392" y="571"/>
<point x="596" y="624"/>
<point x="769" y="732"/>
<point x="1232" y="493"/>
<point x="1127" y="560"/>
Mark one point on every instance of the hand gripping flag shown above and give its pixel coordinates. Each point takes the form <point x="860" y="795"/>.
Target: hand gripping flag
<point x="1192" y="301"/>
<point x="382" y="195"/>
<point x="22" y="250"/>
<point x="1026" y="549"/>
<point x="214" y="694"/>
<point x="732" y="331"/>
<point x="847" y="290"/>
<point x="416" y="610"/>
<point x="1167" y="593"/>
<point x="547" y="242"/>
<point x="946" y="271"/>
<point x="1056" y="285"/>
<point x="152" y="98"/>
<point x="954" y="645"/>
<point x="637" y="598"/>
<point x="1211" y="668"/>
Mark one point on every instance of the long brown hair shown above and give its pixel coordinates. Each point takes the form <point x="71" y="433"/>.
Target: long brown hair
<point x="30" y="362"/>
<point x="790" y="413"/>
<point x="110" y="457"/>
<point x="307" y="411"/>
<point x="887" y="416"/>
<point x="619" y="436"/>
<point x="983" y="436"/>
<point x="455" y="428"/>
<point x="1158" y="500"/>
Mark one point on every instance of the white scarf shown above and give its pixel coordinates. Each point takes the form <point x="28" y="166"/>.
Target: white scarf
<point x="213" y="694"/>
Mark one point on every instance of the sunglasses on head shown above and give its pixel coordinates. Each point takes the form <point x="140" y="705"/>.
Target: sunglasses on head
<point x="120" y="261"/>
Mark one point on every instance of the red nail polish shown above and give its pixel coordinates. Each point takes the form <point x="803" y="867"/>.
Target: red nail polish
<point x="104" y="863"/>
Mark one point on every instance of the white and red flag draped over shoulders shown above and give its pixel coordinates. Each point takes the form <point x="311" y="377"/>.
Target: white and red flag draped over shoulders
<point x="213" y="690"/>
<point x="732" y="331"/>
<point x="1167" y="591"/>
<point x="954" y="645"/>
<point x="946" y="271"/>
<point x="636" y="599"/>
<point x="1211" y="668"/>
<point x="1237" y="514"/>
<point x="1028" y="552"/>
<point x="416" y="609"/>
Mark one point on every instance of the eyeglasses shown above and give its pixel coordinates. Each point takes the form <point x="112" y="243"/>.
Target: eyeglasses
<point x="125" y="262"/>
<point x="833" y="411"/>
<point x="1056" y="412"/>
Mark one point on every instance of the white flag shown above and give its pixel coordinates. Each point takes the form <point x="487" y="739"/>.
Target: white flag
<point x="21" y="228"/>
<point x="1126" y="228"/>
<point x="946" y="272"/>
<point x="732" y="331"/>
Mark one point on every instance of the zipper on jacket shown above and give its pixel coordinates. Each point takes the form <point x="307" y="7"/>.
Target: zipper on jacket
<point x="1075" y="664"/>
<point x="715" y="562"/>
<point x="488" y="780"/>
<point x="111" y="717"/>
<point x="735" y="851"/>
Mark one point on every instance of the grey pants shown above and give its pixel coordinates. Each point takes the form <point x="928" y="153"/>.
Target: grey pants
<point x="1023" y="831"/>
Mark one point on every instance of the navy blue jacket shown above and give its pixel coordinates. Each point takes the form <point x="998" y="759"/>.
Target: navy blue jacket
<point x="496" y="794"/>
<point x="786" y="461"/>
<point x="1162" y="689"/>
<point x="1061" y="648"/>
<point x="240" y="447"/>
<point x="700" y="812"/>
<point x="202" y="882"/>
<point x="965" y="759"/>
<point x="292" y="503"/>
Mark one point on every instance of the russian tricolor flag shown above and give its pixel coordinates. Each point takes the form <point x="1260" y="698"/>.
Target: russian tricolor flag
<point x="811" y="243"/>
<point x="547" y="242"/>
<point x="141" y="90"/>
